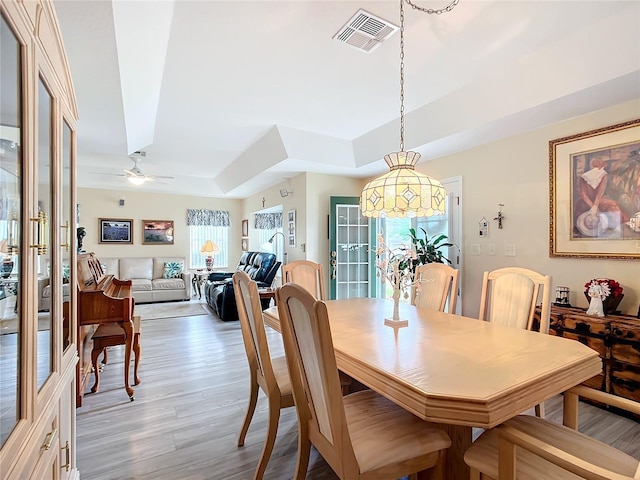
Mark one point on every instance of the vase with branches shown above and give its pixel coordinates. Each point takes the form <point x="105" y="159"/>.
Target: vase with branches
<point x="395" y="266"/>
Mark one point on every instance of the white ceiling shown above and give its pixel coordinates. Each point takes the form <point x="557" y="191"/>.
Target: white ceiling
<point x="231" y="97"/>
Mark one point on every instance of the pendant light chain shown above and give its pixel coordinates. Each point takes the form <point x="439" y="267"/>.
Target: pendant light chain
<point x="402" y="75"/>
<point x="439" y="11"/>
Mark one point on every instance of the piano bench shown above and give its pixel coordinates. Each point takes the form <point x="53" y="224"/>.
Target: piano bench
<point x="110" y="335"/>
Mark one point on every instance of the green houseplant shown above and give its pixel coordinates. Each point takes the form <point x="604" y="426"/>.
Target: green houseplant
<point x="428" y="249"/>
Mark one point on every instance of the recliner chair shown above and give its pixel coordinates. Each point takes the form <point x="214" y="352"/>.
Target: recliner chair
<point x="262" y="267"/>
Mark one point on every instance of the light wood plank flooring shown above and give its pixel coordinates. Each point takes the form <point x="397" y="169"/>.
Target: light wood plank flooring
<point x="190" y="405"/>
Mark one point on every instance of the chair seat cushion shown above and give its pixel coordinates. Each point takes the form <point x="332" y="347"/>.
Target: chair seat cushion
<point x="383" y="433"/>
<point x="168" y="284"/>
<point x="483" y="454"/>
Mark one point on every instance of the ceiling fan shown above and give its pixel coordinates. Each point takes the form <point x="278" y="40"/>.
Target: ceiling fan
<point x="135" y="175"/>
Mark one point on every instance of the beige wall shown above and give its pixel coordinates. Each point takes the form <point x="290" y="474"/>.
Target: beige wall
<point x="95" y="204"/>
<point x="515" y="172"/>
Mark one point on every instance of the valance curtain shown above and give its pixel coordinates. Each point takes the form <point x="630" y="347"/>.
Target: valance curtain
<point x="214" y="218"/>
<point x="268" y="221"/>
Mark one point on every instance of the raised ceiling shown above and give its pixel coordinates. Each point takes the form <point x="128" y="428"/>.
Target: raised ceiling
<point x="232" y="97"/>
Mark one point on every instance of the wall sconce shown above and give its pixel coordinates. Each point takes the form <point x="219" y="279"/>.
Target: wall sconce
<point x="285" y="192"/>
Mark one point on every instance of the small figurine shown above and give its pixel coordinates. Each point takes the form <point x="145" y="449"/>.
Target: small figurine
<point x="597" y="294"/>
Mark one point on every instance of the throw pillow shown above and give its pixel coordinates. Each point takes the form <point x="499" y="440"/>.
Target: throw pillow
<point x="173" y="270"/>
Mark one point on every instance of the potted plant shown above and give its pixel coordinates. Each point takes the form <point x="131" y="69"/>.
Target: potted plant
<point x="428" y="249"/>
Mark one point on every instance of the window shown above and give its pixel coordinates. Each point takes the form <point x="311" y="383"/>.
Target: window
<point x="198" y="235"/>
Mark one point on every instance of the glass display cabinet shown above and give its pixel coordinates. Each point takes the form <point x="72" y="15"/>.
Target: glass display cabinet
<point x="38" y="353"/>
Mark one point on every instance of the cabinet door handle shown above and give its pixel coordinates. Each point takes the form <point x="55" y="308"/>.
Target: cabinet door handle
<point x="48" y="440"/>
<point x="67" y="456"/>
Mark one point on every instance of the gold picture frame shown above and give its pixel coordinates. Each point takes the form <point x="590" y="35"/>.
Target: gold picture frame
<point x="594" y="193"/>
<point x="157" y="232"/>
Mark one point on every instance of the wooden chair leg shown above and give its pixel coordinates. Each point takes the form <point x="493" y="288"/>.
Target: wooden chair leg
<point x="253" y="399"/>
<point x="474" y="474"/>
<point x="304" y="450"/>
<point x="270" y="440"/>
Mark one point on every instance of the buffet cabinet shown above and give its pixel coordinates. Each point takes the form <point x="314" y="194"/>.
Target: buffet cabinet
<point x="616" y="338"/>
<point x="38" y="354"/>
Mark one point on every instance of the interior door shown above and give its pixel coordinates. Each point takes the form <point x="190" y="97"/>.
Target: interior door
<point x="351" y="260"/>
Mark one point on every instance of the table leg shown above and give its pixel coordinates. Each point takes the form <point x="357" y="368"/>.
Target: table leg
<point x="128" y="344"/>
<point x="455" y="468"/>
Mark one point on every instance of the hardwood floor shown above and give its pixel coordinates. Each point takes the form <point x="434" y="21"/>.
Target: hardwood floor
<point x="190" y="405"/>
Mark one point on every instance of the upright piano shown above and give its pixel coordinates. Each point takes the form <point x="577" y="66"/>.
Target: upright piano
<point x="101" y="299"/>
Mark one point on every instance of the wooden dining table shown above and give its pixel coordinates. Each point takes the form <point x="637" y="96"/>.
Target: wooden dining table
<point x="453" y="370"/>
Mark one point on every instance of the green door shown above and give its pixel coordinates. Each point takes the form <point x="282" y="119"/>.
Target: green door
<point x="352" y="262"/>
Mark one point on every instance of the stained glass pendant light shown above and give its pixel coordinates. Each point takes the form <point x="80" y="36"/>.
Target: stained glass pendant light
<point x="404" y="192"/>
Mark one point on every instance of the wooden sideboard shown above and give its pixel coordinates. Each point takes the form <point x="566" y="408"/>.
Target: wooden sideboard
<point x="615" y="337"/>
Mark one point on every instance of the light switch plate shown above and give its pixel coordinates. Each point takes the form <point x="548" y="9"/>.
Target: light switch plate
<point x="475" y="249"/>
<point x="510" y="250"/>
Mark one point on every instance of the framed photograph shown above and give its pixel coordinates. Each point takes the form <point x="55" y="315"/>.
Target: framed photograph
<point x="115" y="230"/>
<point x="245" y="228"/>
<point x="594" y="193"/>
<point x="291" y="225"/>
<point x="157" y="232"/>
<point x="245" y="244"/>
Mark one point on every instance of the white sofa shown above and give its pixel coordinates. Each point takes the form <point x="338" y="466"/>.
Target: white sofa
<point x="147" y="282"/>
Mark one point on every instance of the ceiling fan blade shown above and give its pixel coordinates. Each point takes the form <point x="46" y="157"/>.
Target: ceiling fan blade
<point x="161" y="176"/>
<point x="110" y="174"/>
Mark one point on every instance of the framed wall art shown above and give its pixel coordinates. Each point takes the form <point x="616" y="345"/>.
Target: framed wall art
<point x="594" y="193"/>
<point x="115" y="230"/>
<point x="291" y="226"/>
<point x="157" y="232"/>
<point x="245" y="228"/>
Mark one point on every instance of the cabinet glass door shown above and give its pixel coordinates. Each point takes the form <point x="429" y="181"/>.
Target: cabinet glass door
<point x="11" y="196"/>
<point x="42" y="232"/>
<point x="67" y="209"/>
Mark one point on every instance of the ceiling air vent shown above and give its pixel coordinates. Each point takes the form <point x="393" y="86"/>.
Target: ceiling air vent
<point x="365" y="31"/>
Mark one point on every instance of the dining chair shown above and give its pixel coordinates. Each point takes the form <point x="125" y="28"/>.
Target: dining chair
<point x="509" y="297"/>
<point x="306" y="273"/>
<point x="267" y="373"/>
<point x="434" y="284"/>
<point x="549" y="450"/>
<point x="309" y="275"/>
<point x="362" y="435"/>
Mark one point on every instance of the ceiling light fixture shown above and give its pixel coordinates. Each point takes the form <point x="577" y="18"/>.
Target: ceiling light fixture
<point x="404" y="192"/>
<point x="136" y="180"/>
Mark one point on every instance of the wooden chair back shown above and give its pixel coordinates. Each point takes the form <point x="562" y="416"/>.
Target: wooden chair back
<point x="509" y="297"/>
<point x="548" y="450"/>
<point x="435" y="284"/>
<point x="314" y="375"/>
<point x="306" y="273"/>
<point x="253" y="331"/>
